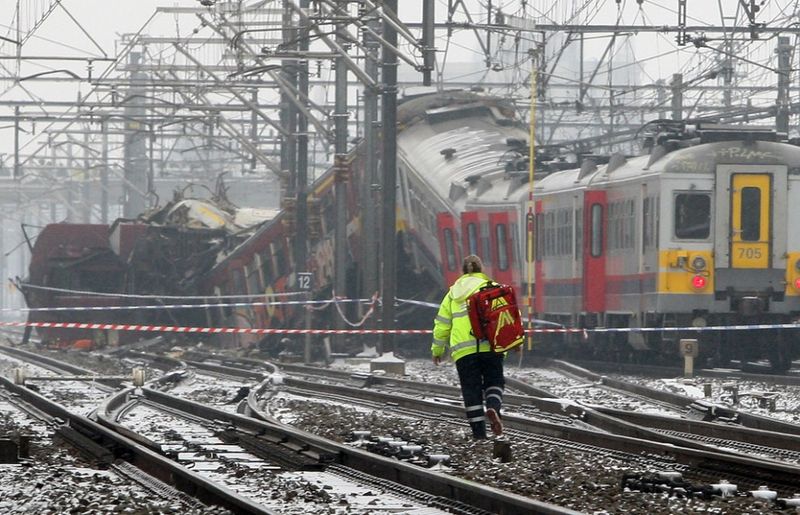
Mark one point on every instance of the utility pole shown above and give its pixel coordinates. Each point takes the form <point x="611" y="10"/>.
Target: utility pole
<point x="784" y="80"/>
<point x="370" y="181"/>
<point x="661" y="98"/>
<point x="288" y="119"/>
<point x="17" y="172"/>
<point x="135" y="184"/>
<point x="104" y="175"/>
<point x="389" y="215"/>
<point x="727" y="72"/>
<point x="301" y="192"/>
<point x="428" y="35"/>
<point x="71" y="181"/>
<point x="254" y="130"/>
<point x="86" y="197"/>
<point x="677" y="96"/>
<point x="341" y="167"/>
<point x="301" y="243"/>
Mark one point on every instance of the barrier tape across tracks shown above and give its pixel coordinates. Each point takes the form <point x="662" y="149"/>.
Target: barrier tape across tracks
<point x="257" y="330"/>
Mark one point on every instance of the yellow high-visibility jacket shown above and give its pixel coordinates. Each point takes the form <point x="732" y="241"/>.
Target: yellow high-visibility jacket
<point x="451" y="325"/>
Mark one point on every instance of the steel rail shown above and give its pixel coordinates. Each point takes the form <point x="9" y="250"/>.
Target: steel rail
<point x="309" y="445"/>
<point x="743" y="418"/>
<point x="656" y="370"/>
<point x="628" y="423"/>
<point x="107" y="446"/>
<point x="59" y="366"/>
<point x="633" y="438"/>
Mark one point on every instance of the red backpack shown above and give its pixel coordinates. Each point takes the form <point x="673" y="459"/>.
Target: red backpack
<point x="494" y="316"/>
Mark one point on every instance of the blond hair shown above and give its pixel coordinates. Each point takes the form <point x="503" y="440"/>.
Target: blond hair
<point x="472" y="264"/>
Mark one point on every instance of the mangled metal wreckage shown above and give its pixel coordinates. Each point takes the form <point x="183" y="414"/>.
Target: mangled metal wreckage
<point x="125" y="270"/>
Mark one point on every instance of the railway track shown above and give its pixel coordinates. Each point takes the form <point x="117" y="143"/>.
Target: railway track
<point x="474" y="495"/>
<point x="534" y="422"/>
<point x="698" y="409"/>
<point x="429" y="488"/>
<point x="327" y="382"/>
<point x="791" y="378"/>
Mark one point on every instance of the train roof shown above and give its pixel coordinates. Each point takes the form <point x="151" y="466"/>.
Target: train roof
<point x="704" y="158"/>
<point x="697" y="159"/>
<point x="462" y="142"/>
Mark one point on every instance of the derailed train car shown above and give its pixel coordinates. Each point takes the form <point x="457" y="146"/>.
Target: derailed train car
<point x="190" y="249"/>
<point x="124" y="273"/>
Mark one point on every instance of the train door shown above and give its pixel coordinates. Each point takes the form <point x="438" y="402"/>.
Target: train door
<point x="751" y="220"/>
<point x="538" y="255"/>
<point x="448" y="249"/>
<point x="750" y="226"/>
<point x="500" y="247"/>
<point x="594" y="252"/>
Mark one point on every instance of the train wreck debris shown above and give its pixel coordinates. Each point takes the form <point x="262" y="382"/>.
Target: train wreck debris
<point x="163" y="253"/>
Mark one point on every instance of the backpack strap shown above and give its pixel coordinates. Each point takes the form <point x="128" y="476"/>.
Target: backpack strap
<point x="488" y="284"/>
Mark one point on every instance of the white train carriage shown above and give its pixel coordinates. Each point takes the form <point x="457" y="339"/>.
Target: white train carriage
<point x="697" y="236"/>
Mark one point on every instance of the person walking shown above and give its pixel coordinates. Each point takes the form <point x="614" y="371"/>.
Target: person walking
<point x="480" y="369"/>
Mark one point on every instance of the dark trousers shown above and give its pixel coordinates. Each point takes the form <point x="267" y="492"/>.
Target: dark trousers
<point x="481" y="377"/>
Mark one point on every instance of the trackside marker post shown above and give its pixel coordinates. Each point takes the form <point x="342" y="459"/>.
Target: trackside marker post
<point x="690" y="349"/>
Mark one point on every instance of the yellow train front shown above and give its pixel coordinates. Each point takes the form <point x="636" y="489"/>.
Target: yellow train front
<point x="701" y="231"/>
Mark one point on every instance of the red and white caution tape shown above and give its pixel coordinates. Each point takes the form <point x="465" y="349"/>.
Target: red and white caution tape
<point x="205" y="330"/>
<point x="255" y="330"/>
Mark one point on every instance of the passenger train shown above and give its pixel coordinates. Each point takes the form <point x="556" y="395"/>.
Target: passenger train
<point x="695" y="232"/>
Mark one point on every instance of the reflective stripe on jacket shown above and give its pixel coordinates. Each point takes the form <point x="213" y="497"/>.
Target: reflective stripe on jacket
<point x="451" y="325"/>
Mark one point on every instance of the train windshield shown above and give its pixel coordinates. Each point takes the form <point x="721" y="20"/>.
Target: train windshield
<point x="692" y="216"/>
<point x="750" y="222"/>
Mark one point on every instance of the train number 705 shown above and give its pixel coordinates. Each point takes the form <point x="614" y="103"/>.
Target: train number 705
<point x="749" y="253"/>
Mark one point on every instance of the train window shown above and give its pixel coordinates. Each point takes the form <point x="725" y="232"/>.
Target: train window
<point x="630" y="224"/>
<point x="486" y="255"/>
<point x="472" y="239"/>
<point x="751" y="214"/>
<point x="538" y="237"/>
<point x="563" y="232"/>
<point x="98" y="280"/>
<point x="238" y="281"/>
<point x="568" y="233"/>
<point x="253" y="280"/>
<point x="450" y="249"/>
<point x="614" y="226"/>
<point x="279" y="251"/>
<point x="692" y="216"/>
<point x="502" y="246"/>
<point x="266" y="268"/>
<point x="597" y="230"/>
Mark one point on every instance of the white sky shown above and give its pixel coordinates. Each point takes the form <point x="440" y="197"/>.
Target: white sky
<point x="107" y="20"/>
